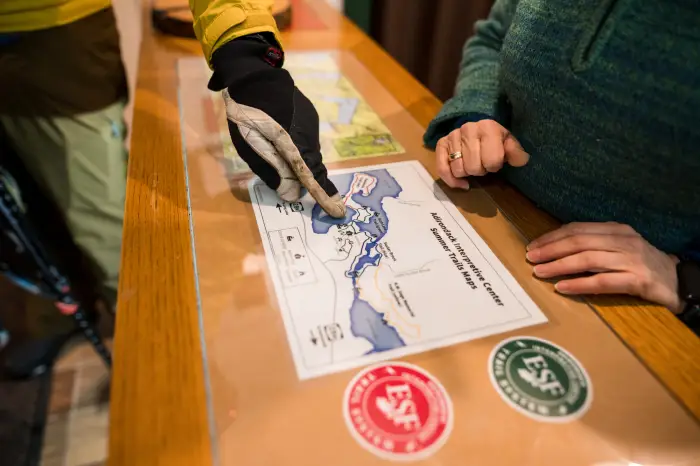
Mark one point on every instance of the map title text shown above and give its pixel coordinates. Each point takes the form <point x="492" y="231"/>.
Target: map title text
<point x="471" y="274"/>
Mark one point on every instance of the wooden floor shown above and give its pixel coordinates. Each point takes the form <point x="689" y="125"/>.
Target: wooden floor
<point x="78" y="420"/>
<point x="77" y="423"/>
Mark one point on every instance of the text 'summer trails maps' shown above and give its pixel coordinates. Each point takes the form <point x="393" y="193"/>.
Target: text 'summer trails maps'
<point x="348" y="128"/>
<point x="402" y="273"/>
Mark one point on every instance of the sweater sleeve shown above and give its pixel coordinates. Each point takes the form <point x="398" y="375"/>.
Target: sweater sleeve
<point x="477" y="92"/>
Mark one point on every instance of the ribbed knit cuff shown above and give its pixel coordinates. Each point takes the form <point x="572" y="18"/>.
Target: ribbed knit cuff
<point x="441" y="127"/>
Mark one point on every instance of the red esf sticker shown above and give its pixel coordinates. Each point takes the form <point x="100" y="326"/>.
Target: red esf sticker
<point x="398" y="411"/>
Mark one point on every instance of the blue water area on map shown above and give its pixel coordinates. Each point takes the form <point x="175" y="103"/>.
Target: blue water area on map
<point x="322" y="222"/>
<point x="367" y="258"/>
<point x="365" y="321"/>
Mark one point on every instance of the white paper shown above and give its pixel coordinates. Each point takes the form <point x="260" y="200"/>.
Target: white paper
<point x="403" y="273"/>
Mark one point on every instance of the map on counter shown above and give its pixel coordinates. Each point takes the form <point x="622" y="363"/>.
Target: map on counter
<point x="348" y="127"/>
<point x="402" y="273"/>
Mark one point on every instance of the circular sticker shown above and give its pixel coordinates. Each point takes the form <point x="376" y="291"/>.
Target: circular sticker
<point x="398" y="411"/>
<point x="540" y="379"/>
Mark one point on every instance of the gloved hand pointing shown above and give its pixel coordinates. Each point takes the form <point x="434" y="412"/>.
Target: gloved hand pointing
<point x="273" y="126"/>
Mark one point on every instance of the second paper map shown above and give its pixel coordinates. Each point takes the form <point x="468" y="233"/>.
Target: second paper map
<point x="348" y="127"/>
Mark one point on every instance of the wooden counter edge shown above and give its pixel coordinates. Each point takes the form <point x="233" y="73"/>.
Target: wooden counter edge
<point x="159" y="413"/>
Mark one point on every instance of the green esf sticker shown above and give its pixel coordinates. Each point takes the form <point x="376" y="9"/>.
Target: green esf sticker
<point x="540" y="379"/>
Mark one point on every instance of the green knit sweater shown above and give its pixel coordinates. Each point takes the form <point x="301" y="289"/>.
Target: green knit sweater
<point x="605" y="96"/>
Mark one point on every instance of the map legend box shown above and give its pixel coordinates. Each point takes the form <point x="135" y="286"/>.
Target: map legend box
<point x="291" y="257"/>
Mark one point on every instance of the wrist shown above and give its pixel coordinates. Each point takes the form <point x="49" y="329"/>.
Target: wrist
<point x="264" y="37"/>
<point x="242" y="58"/>
<point x="472" y="117"/>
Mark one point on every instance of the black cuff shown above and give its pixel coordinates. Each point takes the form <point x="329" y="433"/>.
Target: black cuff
<point x="241" y="58"/>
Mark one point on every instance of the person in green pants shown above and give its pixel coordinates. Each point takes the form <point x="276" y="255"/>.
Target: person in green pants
<point x="62" y="96"/>
<point x="62" y="93"/>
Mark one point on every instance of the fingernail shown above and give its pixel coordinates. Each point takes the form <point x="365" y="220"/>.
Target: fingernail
<point x="536" y="270"/>
<point x="532" y="245"/>
<point x="561" y="287"/>
<point x="532" y="256"/>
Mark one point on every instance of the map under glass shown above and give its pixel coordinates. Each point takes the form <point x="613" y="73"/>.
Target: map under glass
<point x="403" y="272"/>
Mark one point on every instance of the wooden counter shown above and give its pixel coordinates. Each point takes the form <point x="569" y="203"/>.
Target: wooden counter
<point x="159" y="409"/>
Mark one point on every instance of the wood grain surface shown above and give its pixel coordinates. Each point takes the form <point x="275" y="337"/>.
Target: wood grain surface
<point x="158" y="414"/>
<point x="159" y="404"/>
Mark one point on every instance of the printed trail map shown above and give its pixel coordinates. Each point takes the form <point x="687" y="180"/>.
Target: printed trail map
<point x="402" y="273"/>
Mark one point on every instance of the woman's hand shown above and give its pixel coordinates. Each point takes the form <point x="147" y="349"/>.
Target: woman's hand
<point x="477" y="148"/>
<point x="621" y="260"/>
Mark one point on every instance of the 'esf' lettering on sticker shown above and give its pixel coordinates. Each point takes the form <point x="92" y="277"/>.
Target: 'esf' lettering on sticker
<point x="398" y="411"/>
<point x="540" y="380"/>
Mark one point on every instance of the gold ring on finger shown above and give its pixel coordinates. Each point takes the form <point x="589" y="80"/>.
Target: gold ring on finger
<point x="455" y="155"/>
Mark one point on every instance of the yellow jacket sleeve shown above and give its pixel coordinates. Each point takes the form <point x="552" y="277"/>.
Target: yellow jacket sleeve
<point x="219" y="21"/>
